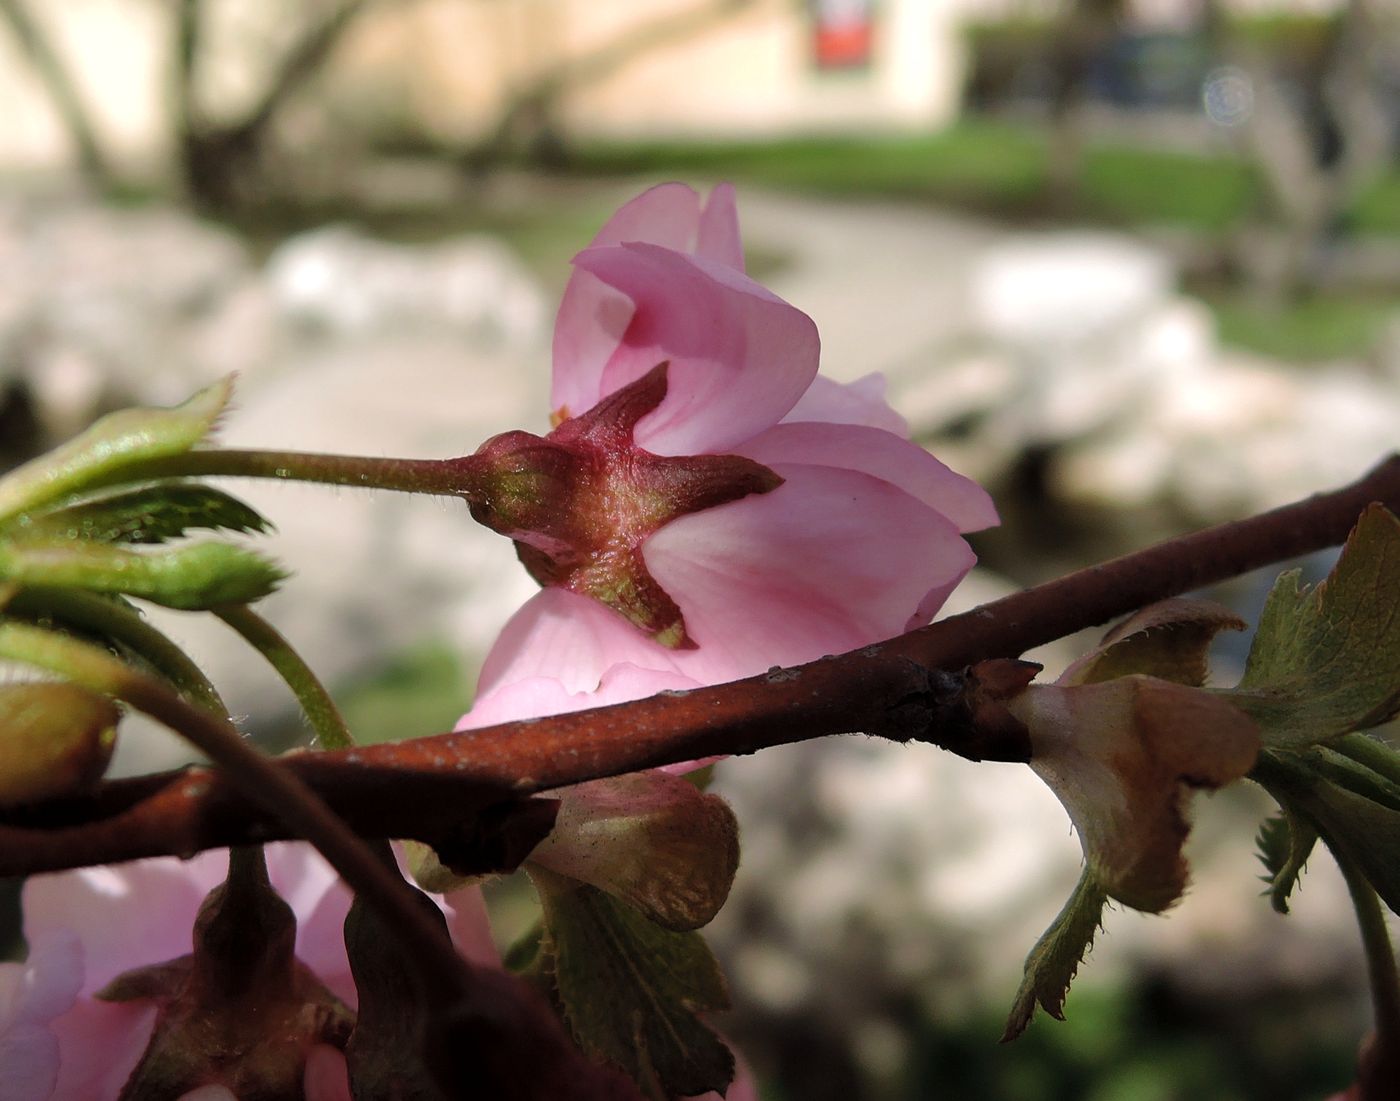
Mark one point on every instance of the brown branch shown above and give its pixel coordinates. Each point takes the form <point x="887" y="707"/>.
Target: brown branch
<point x="431" y="787"/>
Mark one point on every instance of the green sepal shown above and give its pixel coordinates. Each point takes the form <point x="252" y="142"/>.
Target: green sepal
<point x="119" y="440"/>
<point x="1285" y="842"/>
<point x="1326" y="660"/>
<point x="151" y="514"/>
<point x="191" y="578"/>
<point x="1055" y="959"/>
<point x="631" y="991"/>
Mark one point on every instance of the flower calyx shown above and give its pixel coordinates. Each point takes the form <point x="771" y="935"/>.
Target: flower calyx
<point x="581" y="502"/>
<point x="241" y="1010"/>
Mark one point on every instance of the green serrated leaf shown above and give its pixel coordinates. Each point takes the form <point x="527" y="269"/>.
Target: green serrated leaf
<point x="1362" y="830"/>
<point x="1168" y="640"/>
<point x="1055" y="959"/>
<point x="630" y="991"/>
<point x="1326" y="661"/>
<point x="195" y="577"/>
<point x="118" y="440"/>
<point x="1285" y="842"/>
<point x="152" y="514"/>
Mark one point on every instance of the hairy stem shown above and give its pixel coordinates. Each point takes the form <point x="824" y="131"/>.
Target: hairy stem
<point x="317" y="704"/>
<point x="1381" y="1055"/>
<point x="460" y="477"/>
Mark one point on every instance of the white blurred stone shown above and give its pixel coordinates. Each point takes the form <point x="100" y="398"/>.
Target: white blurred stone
<point x="340" y="280"/>
<point x="1065" y="288"/>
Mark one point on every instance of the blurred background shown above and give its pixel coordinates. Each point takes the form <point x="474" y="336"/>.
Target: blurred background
<point x="1132" y="263"/>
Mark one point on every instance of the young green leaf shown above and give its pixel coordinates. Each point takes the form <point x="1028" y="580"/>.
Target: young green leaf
<point x="151" y="514"/>
<point x="98" y="455"/>
<point x="1055" y="959"/>
<point x="115" y="623"/>
<point x="191" y="578"/>
<point x="1168" y="640"/>
<point x="1285" y="842"/>
<point x="1326" y="661"/>
<point x="651" y="839"/>
<point x="1353" y="811"/>
<point x="630" y="990"/>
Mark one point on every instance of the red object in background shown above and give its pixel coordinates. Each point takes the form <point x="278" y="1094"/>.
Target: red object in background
<point x="842" y="33"/>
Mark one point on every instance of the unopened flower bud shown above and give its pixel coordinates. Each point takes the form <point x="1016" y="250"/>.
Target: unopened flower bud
<point x="55" y="740"/>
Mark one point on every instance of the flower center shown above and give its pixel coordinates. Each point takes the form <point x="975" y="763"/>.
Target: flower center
<point x="582" y="501"/>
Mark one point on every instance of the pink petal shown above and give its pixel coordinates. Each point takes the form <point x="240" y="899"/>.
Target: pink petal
<point x="882" y="455"/>
<point x="320" y="900"/>
<point x="592" y="316"/>
<point x="718" y="239"/>
<point x="29" y="1059"/>
<point x="100" y="1044"/>
<point x="859" y="402"/>
<point x="209" y="1093"/>
<point x="794" y="574"/>
<point x="569" y="639"/>
<point x="47" y="983"/>
<point x="740" y="356"/>
<point x="536" y="696"/>
<point x="470" y="926"/>
<point x="327" y="1076"/>
<point x="32" y="994"/>
<point x="127" y="915"/>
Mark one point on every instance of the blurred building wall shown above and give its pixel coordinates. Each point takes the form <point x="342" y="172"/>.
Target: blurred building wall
<point x="449" y="67"/>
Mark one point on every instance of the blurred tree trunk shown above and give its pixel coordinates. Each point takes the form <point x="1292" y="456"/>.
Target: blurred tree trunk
<point x="1085" y="31"/>
<point x="1313" y="151"/>
<point x="221" y="163"/>
<point x="529" y="118"/>
<point x="62" y="91"/>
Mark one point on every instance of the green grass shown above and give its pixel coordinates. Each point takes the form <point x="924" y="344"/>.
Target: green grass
<point x="996" y="168"/>
<point x="422" y="691"/>
<point x="1323" y="326"/>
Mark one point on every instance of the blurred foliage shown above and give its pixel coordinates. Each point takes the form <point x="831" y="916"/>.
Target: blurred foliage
<point x="1327" y="325"/>
<point x="1001" y="169"/>
<point x="993" y="167"/>
<point x="423" y="690"/>
<point x="1146" y="1042"/>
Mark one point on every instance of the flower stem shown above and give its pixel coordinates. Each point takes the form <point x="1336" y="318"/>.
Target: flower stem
<point x="320" y="709"/>
<point x="1380" y="955"/>
<point x="459" y="477"/>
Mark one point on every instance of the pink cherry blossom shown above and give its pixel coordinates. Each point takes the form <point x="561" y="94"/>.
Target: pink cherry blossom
<point x="58" y="1042"/>
<point x="862" y="540"/>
